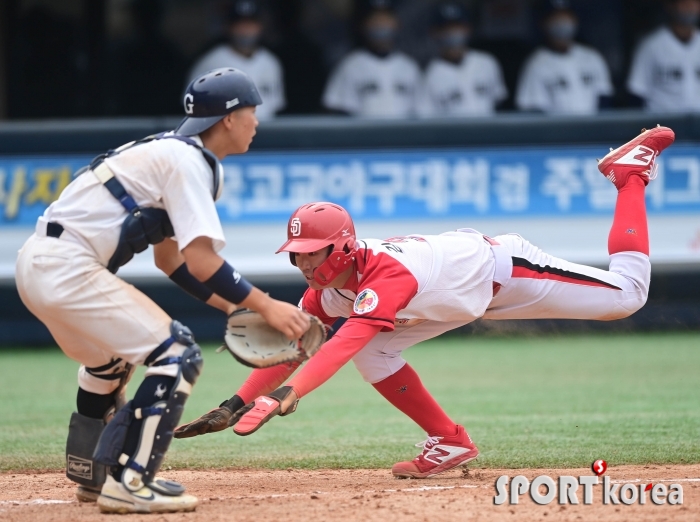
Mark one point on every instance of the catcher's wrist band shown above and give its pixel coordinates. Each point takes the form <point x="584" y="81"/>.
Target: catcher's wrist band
<point x="229" y="284"/>
<point x="182" y="278"/>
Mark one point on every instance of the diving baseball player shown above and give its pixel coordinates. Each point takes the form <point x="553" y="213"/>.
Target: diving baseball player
<point x="160" y="191"/>
<point x="403" y="290"/>
<point x="563" y="77"/>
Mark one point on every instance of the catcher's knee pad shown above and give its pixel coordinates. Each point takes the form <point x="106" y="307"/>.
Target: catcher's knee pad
<point x="158" y="420"/>
<point x="83" y="434"/>
<point x="105" y="379"/>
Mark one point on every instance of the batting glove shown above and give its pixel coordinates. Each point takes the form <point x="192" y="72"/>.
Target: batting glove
<point x="262" y="410"/>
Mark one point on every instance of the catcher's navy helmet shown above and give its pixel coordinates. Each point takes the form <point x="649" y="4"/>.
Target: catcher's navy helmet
<point x="215" y="94"/>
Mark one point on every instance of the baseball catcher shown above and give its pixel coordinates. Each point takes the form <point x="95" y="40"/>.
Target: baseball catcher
<point x="403" y="290"/>
<point x="147" y="192"/>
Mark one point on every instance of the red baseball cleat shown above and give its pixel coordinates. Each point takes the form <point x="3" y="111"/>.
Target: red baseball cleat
<point x="636" y="157"/>
<point x="439" y="454"/>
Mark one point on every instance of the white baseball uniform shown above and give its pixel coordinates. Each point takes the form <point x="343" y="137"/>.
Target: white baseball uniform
<point x="418" y="287"/>
<point x="94" y="316"/>
<point x="263" y="67"/>
<point x="666" y="72"/>
<point x="472" y="87"/>
<point x="370" y="86"/>
<point x="563" y="83"/>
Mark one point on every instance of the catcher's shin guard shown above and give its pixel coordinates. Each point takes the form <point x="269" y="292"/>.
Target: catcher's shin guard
<point x="83" y="434"/>
<point x="157" y="421"/>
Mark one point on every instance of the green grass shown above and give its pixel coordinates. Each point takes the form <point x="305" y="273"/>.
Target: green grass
<point x="532" y="402"/>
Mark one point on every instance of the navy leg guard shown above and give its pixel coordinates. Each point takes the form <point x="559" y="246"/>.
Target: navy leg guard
<point x="158" y="420"/>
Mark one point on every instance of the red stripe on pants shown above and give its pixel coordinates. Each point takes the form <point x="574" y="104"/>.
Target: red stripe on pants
<point x="526" y="273"/>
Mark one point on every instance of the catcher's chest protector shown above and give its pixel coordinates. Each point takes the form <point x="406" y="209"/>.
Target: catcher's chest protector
<point x="143" y="226"/>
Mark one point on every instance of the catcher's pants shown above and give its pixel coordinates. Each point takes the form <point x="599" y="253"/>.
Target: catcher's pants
<point x="94" y="316"/>
<point x="540" y="287"/>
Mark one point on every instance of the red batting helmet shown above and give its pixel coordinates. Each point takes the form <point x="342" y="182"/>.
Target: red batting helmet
<point x="315" y="226"/>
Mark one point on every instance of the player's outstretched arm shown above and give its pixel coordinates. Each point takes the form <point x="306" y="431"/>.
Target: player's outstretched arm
<point x="350" y="339"/>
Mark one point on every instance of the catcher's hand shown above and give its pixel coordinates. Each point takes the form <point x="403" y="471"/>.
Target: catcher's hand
<point x="253" y="342"/>
<point x="262" y="410"/>
<point x="227" y="414"/>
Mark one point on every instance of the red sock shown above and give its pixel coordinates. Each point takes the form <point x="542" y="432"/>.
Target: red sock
<point x="629" y="231"/>
<point x="406" y="392"/>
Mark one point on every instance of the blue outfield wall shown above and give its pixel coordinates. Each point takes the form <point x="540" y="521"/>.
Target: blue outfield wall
<point x="554" y="195"/>
<point x="543" y="182"/>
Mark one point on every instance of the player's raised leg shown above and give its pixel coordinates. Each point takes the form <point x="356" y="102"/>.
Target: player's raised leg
<point x="543" y="286"/>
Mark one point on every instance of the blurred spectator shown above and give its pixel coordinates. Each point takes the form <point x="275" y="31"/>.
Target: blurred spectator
<point x="244" y="52"/>
<point x="462" y="81"/>
<point x="376" y="80"/>
<point x="563" y="77"/>
<point x="145" y="73"/>
<point x="666" y="66"/>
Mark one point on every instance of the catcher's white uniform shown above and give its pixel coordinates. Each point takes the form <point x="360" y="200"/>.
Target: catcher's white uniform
<point x="94" y="316"/>
<point x="666" y="72"/>
<point x="564" y="83"/>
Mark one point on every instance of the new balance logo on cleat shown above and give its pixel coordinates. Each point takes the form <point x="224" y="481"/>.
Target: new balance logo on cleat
<point x="439" y="454"/>
<point x="639" y="155"/>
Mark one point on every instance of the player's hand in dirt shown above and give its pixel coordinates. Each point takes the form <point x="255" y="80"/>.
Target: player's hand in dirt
<point x="226" y="415"/>
<point x="283" y="401"/>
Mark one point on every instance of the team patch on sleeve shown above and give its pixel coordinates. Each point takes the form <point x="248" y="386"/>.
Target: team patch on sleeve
<point x="366" y="301"/>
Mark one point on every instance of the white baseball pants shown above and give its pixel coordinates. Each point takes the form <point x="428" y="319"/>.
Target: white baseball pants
<point x="94" y="316"/>
<point x="540" y="286"/>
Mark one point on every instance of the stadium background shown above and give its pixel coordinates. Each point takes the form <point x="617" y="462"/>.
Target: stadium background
<point x="525" y="173"/>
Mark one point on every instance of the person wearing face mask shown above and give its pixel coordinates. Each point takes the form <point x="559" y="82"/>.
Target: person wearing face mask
<point x="244" y="52"/>
<point x="461" y="81"/>
<point x="563" y="77"/>
<point x="375" y="81"/>
<point x="665" y="71"/>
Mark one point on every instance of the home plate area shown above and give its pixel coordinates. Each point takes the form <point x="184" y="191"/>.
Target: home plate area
<point x="358" y="494"/>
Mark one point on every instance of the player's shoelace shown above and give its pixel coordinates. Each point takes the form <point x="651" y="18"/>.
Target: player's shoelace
<point x="654" y="171"/>
<point x="429" y="443"/>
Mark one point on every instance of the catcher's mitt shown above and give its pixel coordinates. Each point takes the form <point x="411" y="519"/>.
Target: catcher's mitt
<point x="255" y="343"/>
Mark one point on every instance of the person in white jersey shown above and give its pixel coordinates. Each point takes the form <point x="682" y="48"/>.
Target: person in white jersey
<point x="375" y="81"/>
<point x="244" y="52"/>
<point x="461" y="82"/>
<point x="400" y="291"/>
<point x="160" y="190"/>
<point x="665" y="71"/>
<point x="563" y="77"/>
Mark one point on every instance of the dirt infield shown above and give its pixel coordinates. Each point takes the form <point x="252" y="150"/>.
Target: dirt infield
<point x="367" y="495"/>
